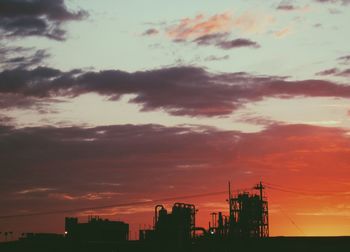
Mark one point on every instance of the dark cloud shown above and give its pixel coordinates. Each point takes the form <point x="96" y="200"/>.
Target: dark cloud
<point x="221" y="40"/>
<point x="335" y="72"/>
<point x="75" y="161"/>
<point x="286" y="7"/>
<point x="343" y="2"/>
<point x="5" y="120"/>
<point x="289" y="5"/>
<point x="330" y="71"/>
<point x="178" y="90"/>
<point x="20" y="18"/>
<point x="237" y="43"/>
<point x="23" y="102"/>
<point x="150" y="32"/>
<point x="344" y="73"/>
<point x="344" y="59"/>
<point x="211" y="39"/>
<point x="49" y="168"/>
<point x="21" y="57"/>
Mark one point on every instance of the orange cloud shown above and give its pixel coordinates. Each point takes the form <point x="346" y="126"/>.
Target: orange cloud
<point x="283" y="32"/>
<point x="199" y="26"/>
<point x="191" y="28"/>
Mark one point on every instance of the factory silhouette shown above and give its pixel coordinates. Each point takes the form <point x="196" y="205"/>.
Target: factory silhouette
<point x="246" y="228"/>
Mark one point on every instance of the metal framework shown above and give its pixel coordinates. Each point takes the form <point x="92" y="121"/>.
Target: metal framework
<point x="248" y="215"/>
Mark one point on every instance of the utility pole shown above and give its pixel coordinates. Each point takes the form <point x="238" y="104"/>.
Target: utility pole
<point x="263" y="225"/>
<point x="260" y="187"/>
<point x="229" y="197"/>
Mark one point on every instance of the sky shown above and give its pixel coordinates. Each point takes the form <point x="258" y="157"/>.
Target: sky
<point x="107" y="102"/>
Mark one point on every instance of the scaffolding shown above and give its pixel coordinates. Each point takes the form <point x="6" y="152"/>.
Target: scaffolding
<point x="248" y="214"/>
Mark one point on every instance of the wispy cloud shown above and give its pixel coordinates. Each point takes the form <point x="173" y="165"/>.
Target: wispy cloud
<point x="150" y="32"/>
<point x="35" y="190"/>
<point x="291" y="7"/>
<point x="192" y="28"/>
<point x="283" y="32"/>
<point x="91" y="196"/>
<point x="343" y="2"/>
<point x="221" y="40"/>
<point x="335" y="72"/>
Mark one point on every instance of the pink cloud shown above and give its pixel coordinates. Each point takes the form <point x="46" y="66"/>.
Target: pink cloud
<point x="192" y="28"/>
<point x="199" y="26"/>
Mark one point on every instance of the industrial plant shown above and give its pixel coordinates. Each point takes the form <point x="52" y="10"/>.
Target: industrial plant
<point x="248" y="218"/>
<point x="244" y="227"/>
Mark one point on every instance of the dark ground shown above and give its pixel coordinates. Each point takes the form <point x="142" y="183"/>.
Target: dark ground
<point x="284" y="244"/>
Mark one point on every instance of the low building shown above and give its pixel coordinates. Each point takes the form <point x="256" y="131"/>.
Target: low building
<point x="96" y="229"/>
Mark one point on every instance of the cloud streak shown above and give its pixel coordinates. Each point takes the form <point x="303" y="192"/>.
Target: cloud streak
<point x="221" y="40"/>
<point x="188" y="91"/>
<point x="335" y="72"/>
<point x="178" y="90"/>
<point x="343" y="2"/>
<point x="19" y="57"/>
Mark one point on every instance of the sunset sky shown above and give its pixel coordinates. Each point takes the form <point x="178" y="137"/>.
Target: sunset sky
<point x="108" y="102"/>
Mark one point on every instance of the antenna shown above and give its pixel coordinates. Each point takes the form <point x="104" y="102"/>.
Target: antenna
<point x="229" y="197"/>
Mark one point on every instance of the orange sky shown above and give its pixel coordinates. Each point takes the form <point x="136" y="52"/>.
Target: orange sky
<point x="105" y="103"/>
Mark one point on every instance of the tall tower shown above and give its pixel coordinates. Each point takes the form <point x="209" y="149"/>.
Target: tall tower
<point x="249" y="214"/>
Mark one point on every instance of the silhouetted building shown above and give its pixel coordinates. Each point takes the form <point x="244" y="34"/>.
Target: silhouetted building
<point x="249" y="215"/>
<point x="96" y="229"/>
<point x="247" y="218"/>
<point x="176" y="227"/>
<point x="42" y="237"/>
<point x="146" y="235"/>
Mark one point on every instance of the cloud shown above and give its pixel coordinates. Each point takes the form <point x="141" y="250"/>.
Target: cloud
<point x="199" y="26"/>
<point x="211" y="39"/>
<point x="216" y="30"/>
<point x="20" y="57"/>
<point x="216" y="58"/>
<point x="344" y="59"/>
<point x="334" y="11"/>
<point x="183" y="90"/>
<point x="258" y="120"/>
<point x="238" y="43"/>
<point x="345" y="73"/>
<point x="150" y="32"/>
<point x="330" y="71"/>
<point x="221" y="40"/>
<point x="6" y="120"/>
<point x="90" y="196"/>
<point x="283" y="32"/>
<point x="286" y="7"/>
<point x="36" y="160"/>
<point x="21" y="18"/>
<point x="335" y="72"/>
<point x="35" y="190"/>
<point x="343" y="2"/>
<point x="78" y="169"/>
<point x="20" y="101"/>
<point x="289" y="6"/>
